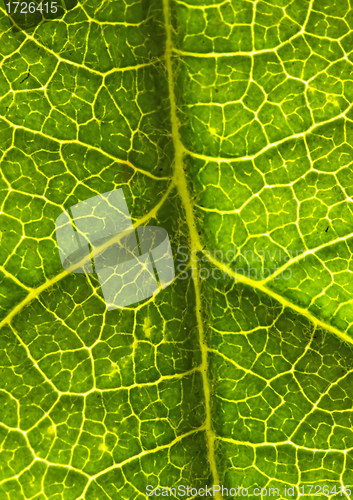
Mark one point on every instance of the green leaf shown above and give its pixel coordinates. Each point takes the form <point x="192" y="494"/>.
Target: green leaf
<point x="230" y="125"/>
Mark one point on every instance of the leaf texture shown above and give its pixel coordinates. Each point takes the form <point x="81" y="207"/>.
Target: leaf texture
<point x="229" y="124"/>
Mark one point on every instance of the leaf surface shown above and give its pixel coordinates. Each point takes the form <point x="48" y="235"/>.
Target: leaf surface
<point x="230" y="125"/>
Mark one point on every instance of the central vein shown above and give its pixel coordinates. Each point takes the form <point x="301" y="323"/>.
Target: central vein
<point x="180" y="181"/>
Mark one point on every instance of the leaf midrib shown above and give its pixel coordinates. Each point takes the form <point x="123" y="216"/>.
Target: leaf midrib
<point x="181" y="183"/>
